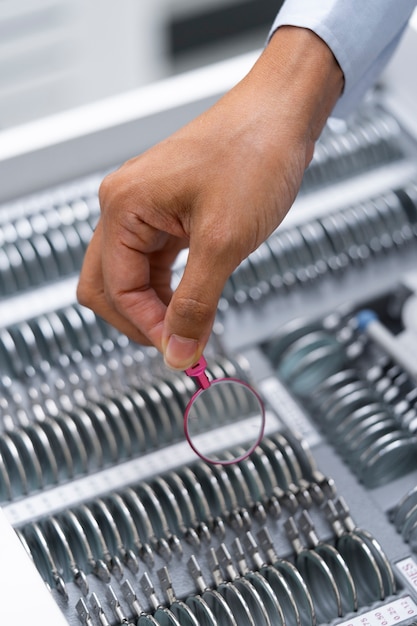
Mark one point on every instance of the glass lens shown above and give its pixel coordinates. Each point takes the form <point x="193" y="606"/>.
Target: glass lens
<point x="226" y="415"/>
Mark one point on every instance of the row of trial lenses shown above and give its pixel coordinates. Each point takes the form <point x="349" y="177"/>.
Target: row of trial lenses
<point x="48" y="336"/>
<point x="50" y="243"/>
<point x="404" y="517"/>
<point x="370" y="139"/>
<point x="98" y="538"/>
<point x="188" y="503"/>
<point x="43" y="258"/>
<point x="43" y="246"/>
<point x="362" y="573"/>
<point x="56" y="351"/>
<point x="334" y="243"/>
<point x="268" y="594"/>
<point x="58" y="445"/>
<point x="65" y="440"/>
<point x="333" y="576"/>
<point x="46" y="242"/>
<point x="408" y="198"/>
<point x="251" y="585"/>
<point x="362" y="424"/>
<point x="321" y="583"/>
<point x="357" y="417"/>
<point x="73" y="380"/>
<point x="128" y="609"/>
<point x="85" y="439"/>
<point x="397" y="389"/>
<point x="40" y="367"/>
<point x="357" y="541"/>
<point x="55" y="448"/>
<point x="248" y="599"/>
<point x="305" y="354"/>
<point x="324" y="582"/>
<point x="271" y="477"/>
<point x="48" y="199"/>
<point x="68" y="353"/>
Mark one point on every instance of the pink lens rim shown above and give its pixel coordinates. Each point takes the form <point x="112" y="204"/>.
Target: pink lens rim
<point x="257" y="441"/>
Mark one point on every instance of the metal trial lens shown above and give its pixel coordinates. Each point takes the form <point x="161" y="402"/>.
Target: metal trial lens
<point x="223" y="415"/>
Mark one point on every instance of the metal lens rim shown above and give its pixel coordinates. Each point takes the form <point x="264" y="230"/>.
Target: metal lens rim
<point x="258" y="439"/>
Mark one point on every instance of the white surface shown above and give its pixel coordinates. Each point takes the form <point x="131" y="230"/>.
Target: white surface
<point x="288" y="411"/>
<point x="58" y="54"/>
<point x="100" y="136"/>
<point x="408" y="569"/>
<point x="160" y="96"/>
<point x="22" y="587"/>
<point x="409" y="316"/>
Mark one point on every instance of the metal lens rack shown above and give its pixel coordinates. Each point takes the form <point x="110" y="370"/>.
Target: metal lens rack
<point x="122" y="522"/>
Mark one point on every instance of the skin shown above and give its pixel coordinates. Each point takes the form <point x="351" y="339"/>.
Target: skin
<point x="218" y="186"/>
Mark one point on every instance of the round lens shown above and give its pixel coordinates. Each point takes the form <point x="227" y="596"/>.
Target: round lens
<point x="227" y="415"/>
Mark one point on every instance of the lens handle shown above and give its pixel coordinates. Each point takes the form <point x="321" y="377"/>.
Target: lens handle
<point x="198" y="371"/>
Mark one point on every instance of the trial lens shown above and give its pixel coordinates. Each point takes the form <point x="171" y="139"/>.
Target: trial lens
<point x="225" y="419"/>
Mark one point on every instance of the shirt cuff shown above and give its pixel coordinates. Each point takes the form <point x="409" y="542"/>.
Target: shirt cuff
<point x="362" y="37"/>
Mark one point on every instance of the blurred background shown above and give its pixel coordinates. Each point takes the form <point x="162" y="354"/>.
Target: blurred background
<point x="59" y="54"/>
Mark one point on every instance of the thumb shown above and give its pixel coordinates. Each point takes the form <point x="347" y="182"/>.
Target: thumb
<point x="191" y="312"/>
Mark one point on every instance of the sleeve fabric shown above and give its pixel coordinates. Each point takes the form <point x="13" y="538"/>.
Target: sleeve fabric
<point x="362" y="35"/>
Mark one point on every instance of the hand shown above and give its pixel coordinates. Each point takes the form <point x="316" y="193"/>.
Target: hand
<point x="220" y="186"/>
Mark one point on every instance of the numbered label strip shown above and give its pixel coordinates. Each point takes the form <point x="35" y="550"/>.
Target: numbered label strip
<point x="394" y="612"/>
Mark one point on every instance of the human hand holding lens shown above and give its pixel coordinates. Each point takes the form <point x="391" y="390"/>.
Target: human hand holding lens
<point x="222" y="414"/>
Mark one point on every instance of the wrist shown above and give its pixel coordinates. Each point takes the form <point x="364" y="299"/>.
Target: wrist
<point x="303" y="79"/>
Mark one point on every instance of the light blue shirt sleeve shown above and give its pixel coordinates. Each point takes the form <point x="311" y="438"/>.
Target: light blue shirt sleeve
<point x="362" y="35"/>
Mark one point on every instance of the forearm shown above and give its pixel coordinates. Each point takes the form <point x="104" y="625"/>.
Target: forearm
<point x="304" y="78"/>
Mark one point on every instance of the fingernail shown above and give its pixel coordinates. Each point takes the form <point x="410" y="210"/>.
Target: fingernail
<point x="180" y="352"/>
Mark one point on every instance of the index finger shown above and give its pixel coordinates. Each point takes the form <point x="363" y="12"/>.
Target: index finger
<point x="95" y="290"/>
<point x="136" y="273"/>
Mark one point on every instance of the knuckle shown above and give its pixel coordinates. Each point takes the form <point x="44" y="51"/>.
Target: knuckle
<point x="112" y="191"/>
<point x="105" y="188"/>
<point x="84" y="295"/>
<point x="90" y="293"/>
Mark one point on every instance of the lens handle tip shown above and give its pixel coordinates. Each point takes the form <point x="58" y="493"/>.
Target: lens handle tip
<point x="198" y="371"/>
